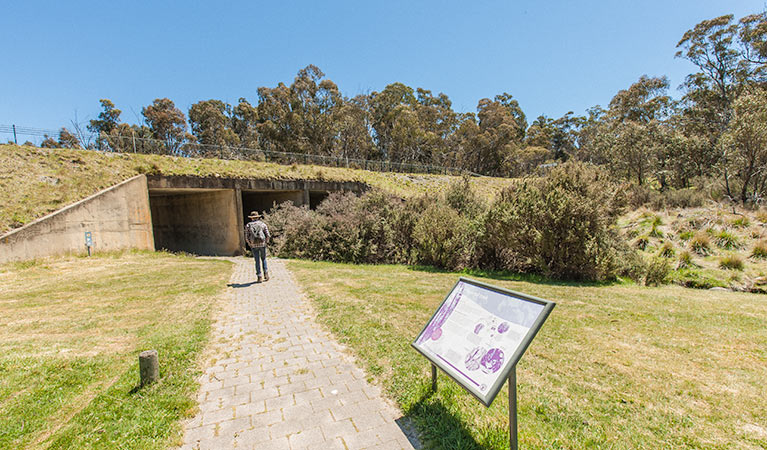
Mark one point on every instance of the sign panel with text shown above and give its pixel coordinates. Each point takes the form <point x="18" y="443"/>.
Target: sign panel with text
<point x="479" y="333"/>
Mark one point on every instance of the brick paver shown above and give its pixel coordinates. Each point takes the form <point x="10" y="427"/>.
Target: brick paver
<point x="275" y="379"/>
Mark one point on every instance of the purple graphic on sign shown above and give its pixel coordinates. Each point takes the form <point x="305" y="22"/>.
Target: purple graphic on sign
<point x="474" y="357"/>
<point x="492" y="360"/>
<point x="436" y="334"/>
<point x="479" y="328"/>
<point x="504" y="327"/>
<point x="441" y="316"/>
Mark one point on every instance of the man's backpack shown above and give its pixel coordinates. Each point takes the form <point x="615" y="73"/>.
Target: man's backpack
<point x="255" y="234"/>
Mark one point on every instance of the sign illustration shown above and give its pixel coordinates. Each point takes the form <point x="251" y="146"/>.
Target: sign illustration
<point x="479" y="333"/>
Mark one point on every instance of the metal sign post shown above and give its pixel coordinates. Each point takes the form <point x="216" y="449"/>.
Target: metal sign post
<point x="88" y="241"/>
<point x="513" y="444"/>
<point x="477" y="336"/>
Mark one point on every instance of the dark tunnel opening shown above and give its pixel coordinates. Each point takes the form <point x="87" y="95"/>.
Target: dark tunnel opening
<point x="209" y="221"/>
<point x="199" y="221"/>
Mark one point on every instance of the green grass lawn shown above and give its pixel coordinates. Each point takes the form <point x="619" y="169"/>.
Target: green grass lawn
<point x="614" y="367"/>
<point x="70" y="333"/>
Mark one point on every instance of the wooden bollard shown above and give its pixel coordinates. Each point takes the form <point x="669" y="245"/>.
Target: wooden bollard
<point x="148" y="367"/>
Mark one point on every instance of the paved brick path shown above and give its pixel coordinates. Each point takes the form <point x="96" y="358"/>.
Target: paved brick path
<point x="274" y="379"/>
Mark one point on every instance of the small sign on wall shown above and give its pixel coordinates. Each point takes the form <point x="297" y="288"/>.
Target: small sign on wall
<point x="88" y="241"/>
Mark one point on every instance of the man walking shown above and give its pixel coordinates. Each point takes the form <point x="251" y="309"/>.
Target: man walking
<point x="257" y="235"/>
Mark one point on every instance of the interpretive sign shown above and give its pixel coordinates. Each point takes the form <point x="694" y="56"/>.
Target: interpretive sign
<point x="479" y="333"/>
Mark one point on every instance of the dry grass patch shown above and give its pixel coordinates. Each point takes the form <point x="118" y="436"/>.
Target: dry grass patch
<point x="70" y="330"/>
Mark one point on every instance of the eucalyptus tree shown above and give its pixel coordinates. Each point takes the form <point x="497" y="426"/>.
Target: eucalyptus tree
<point x="747" y="139"/>
<point x="167" y="123"/>
<point x="211" y="123"/>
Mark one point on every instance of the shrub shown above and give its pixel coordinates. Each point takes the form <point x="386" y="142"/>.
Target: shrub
<point x="461" y="197"/>
<point x="561" y="226"/>
<point x="759" y="250"/>
<point x="727" y="240"/>
<point x="700" y="244"/>
<point x="761" y="215"/>
<point x="673" y="198"/>
<point x="684" y="198"/>
<point x="344" y="228"/>
<point x="632" y="265"/>
<point x="667" y="250"/>
<point x="731" y="262"/>
<point x="658" y="270"/>
<point x="440" y="237"/>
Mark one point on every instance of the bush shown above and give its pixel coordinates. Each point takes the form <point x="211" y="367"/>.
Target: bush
<point x="684" y="198"/>
<point x="759" y="250"/>
<point x="441" y="238"/>
<point x="560" y="226"/>
<point x="673" y="198"/>
<point x="658" y="270"/>
<point x="700" y="244"/>
<point x="731" y="262"/>
<point x="462" y="198"/>
<point x="344" y="228"/>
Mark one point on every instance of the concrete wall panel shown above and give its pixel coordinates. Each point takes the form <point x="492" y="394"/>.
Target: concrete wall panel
<point x="118" y="217"/>
<point x="203" y="223"/>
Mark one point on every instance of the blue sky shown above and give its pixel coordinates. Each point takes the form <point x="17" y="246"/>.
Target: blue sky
<point x="553" y="56"/>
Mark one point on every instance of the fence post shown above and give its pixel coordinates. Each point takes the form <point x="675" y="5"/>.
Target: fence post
<point x="15" y="141"/>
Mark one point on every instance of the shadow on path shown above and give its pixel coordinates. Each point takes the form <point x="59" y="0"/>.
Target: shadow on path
<point x="241" y="285"/>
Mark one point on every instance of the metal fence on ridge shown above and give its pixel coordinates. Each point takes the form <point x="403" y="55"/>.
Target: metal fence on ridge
<point x="133" y="144"/>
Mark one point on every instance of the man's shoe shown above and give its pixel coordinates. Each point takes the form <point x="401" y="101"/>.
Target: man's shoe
<point x="266" y="276"/>
<point x="259" y="279"/>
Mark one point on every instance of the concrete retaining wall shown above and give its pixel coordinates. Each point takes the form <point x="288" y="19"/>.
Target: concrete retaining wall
<point x="118" y="217"/>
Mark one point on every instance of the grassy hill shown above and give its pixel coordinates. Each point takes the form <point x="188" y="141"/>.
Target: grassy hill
<point x="37" y="181"/>
<point x="711" y="246"/>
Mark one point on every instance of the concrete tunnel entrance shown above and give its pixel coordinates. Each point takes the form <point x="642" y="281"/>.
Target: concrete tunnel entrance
<point x="206" y="216"/>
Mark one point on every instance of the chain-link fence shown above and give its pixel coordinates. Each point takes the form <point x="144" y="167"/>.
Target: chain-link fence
<point x="143" y="145"/>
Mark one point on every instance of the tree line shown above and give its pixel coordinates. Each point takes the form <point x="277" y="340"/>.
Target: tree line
<point x="717" y="130"/>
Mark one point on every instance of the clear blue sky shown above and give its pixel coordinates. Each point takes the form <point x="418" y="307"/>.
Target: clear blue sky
<point x="553" y="56"/>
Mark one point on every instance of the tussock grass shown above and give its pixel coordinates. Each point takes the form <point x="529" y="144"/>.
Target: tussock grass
<point x="684" y="260"/>
<point x="70" y="333"/>
<point x="731" y="262"/>
<point x="727" y="240"/>
<point x="615" y="366"/>
<point x="700" y="243"/>
<point x="667" y="250"/>
<point x="760" y="250"/>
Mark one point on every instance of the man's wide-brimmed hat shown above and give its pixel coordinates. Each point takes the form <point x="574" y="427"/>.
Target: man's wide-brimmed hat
<point x="254" y="215"/>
